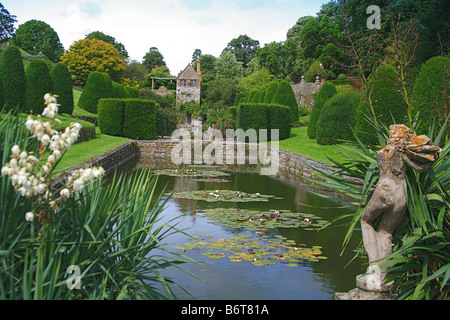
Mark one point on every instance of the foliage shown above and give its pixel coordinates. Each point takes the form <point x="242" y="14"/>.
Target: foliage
<point x="285" y="96"/>
<point x="95" y="89"/>
<point x="279" y="119"/>
<point x="271" y="91"/>
<point x="153" y="58"/>
<point x="420" y="257"/>
<point x="244" y="49"/>
<point x="207" y="66"/>
<point x="256" y="81"/>
<point x="110" y="231"/>
<point x="39" y="82"/>
<point x="221" y="93"/>
<point x="7" y="22"/>
<point x="13" y="79"/>
<point x="166" y="121"/>
<point x="388" y="104"/>
<point x="135" y="70"/>
<point x="38" y="37"/>
<point x="431" y="94"/>
<point x="337" y="119"/>
<point x="131" y="92"/>
<point x="227" y="67"/>
<point x="327" y="91"/>
<point x="252" y="116"/>
<point x="111" y="116"/>
<point x="85" y="56"/>
<point x="164" y="101"/>
<point x="111" y="40"/>
<point x="118" y="91"/>
<point x="140" y="119"/>
<point x="62" y="87"/>
<point x="315" y="70"/>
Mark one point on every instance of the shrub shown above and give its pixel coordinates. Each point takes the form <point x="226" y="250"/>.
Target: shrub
<point x="264" y="116"/>
<point x="270" y="92"/>
<point x="285" y="96"/>
<point x="95" y="89"/>
<point x="338" y="118"/>
<point x="111" y="116"/>
<point x="428" y="90"/>
<point x="233" y="113"/>
<point x="131" y="92"/>
<point x="279" y="118"/>
<point x="140" y="119"/>
<point x="327" y="91"/>
<point x="388" y="104"/>
<point x="118" y="91"/>
<point x="12" y="75"/>
<point x="166" y="121"/>
<point x="342" y="76"/>
<point x="62" y="87"/>
<point x="39" y="82"/>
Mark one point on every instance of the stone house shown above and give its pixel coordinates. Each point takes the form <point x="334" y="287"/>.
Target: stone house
<point x="189" y="83"/>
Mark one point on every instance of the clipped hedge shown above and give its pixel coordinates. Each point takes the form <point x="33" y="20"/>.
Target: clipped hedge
<point x="62" y="87"/>
<point x="131" y="93"/>
<point x="140" y="119"/>
<point x="428" y="90"/>
<point x="338" y="118"/>
<point x="39" y="82"/>
<point x="285" y="96"/>
<point x="327" y="91"/>
<point x="118" y="91"/>
<point x="264" y="116"/>
<point x="166" y="122"/>
<point x="12" y="75"/>
<point x="279" y="118"/>
<point x="96" y="88"/>
<point x="111" y="116"/>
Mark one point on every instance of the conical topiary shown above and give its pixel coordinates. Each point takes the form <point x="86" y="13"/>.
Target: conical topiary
<point x="285" y="96"/>
<point x="327" y="91"/>
<point x="95" y="89"/>
<point x="39" y="82"/>
<point x="62" y="87"/>
<point x="12" y="75"/>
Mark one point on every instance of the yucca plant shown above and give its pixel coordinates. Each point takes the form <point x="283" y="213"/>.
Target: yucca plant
<point x="420" y="262"/>
<point x="104" y="242"/>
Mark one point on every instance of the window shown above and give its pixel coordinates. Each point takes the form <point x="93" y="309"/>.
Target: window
<point x="193" y="83"/>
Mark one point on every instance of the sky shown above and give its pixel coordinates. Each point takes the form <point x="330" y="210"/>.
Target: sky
<point x="175" y="27"/>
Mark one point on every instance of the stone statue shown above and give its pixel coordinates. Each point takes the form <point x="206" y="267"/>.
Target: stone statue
<point x="388" y="203"/>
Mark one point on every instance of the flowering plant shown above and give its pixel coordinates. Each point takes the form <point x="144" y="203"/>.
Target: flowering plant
<point x="31" y="174"/>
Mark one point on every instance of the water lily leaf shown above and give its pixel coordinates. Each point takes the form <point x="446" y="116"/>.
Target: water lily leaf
<point x="190" y="173"/>
<point x="221" y="195"/>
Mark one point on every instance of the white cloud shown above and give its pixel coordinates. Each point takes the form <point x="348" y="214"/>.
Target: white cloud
<point x="175" y="27"/>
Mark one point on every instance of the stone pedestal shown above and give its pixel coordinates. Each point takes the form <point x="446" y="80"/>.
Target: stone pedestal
<point x="360" y="294"/>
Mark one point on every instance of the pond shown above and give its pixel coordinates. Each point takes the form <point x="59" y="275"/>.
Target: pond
<point x="268" y="249"/>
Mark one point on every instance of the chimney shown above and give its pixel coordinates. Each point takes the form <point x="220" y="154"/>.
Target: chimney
<point x="199" y="71"/>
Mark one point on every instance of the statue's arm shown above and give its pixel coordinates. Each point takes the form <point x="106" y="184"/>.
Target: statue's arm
<point x="416" y="166"/>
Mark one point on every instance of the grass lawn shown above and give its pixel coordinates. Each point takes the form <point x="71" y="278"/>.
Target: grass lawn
<point x="299" y="143"/>
<point x="82" y="152"/>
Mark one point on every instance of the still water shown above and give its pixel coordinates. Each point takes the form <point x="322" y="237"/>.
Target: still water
<point x="226" y="280"/>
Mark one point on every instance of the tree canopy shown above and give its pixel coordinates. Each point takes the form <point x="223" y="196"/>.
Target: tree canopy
<point x="153" y="58"/>
<point x="244" y="49"/>
<point x="7" y="21"/>
<point x="111" y="40"/>
<point x="38" y="37"/>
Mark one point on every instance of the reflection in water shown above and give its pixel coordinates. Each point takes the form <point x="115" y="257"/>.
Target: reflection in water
<point x="228" y="280"/>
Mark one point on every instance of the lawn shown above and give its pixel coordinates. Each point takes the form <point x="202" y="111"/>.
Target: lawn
<point x="82" y="152"/>
<point x="299" y="143"/>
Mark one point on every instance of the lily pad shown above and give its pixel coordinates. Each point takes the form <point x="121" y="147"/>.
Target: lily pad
<point x="190" y="173"/>
<point x="262" y="220"/>
<point x="260" y="251"/>
<point x="221" y="195"/>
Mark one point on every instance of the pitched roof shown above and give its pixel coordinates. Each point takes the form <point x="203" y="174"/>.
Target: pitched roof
<point x="189" y="74"/>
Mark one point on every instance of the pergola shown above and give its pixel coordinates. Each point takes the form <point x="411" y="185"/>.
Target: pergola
<point x="159" y="78"/>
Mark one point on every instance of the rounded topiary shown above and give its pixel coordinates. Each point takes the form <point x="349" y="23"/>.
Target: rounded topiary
<point x="95" y="89"/>
<point x="238" y="98"/>
<point x="327" y="91"/>
<point x="285" y="96"/>
<point x="140" y="119"/>
<point x="39" y="82"/>
<point x="337" y="118"/>
<point x="62" y="87"/>
<point x="118" y="91"/>
<point x="270" y="92"/>
<point x="131" y="92"/>
<point x="388" y="104"/>
<point x="111" y="116"/>
<point x="13" y="79"/>
<point x="430" y="101"/>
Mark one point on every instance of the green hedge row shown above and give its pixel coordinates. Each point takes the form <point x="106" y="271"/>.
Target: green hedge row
<point x="129" y="118"/>
<point x="265" y="116"/>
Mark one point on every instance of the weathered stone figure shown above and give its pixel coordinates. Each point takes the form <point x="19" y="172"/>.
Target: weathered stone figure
<point x="388" y="202"/>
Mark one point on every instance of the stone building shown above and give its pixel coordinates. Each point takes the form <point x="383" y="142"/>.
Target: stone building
<point x="189" y="83"/>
